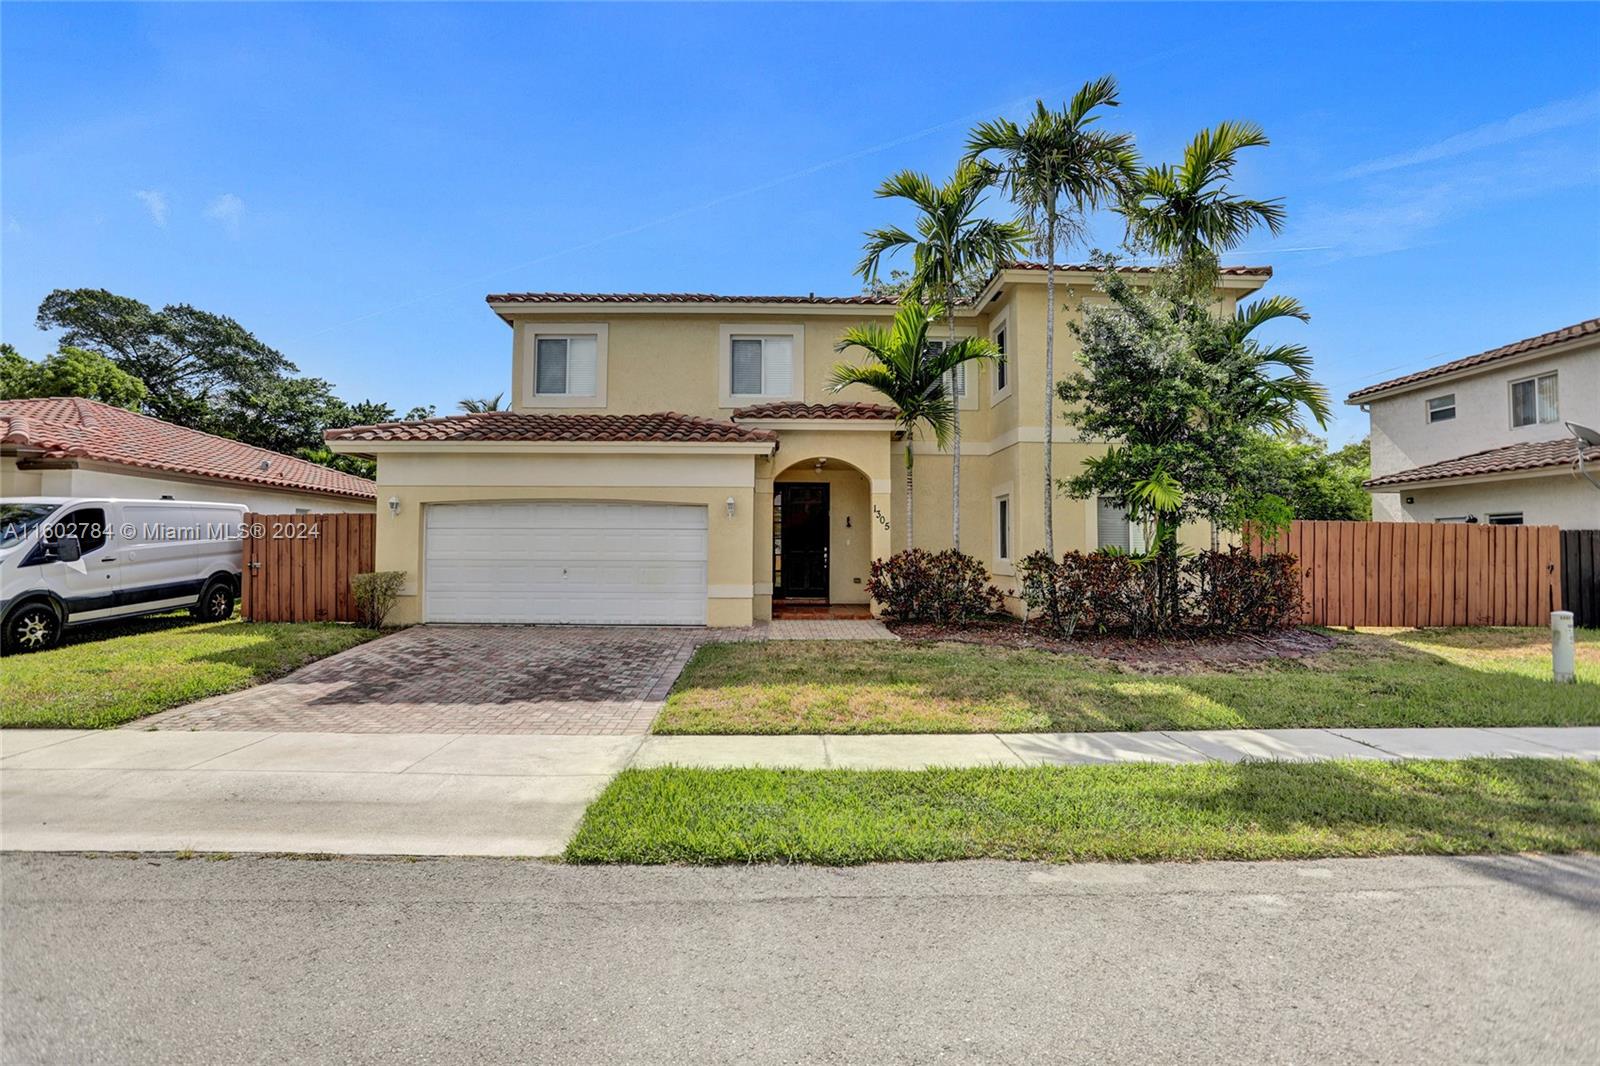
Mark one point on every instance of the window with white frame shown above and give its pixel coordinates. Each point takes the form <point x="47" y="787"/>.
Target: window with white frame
<point x="1002" y="528"/>
<point x="1533" y="400"/>
<point x="1001" y="381"/>
<point x="1511" y="518"/>
<point x="955" y="382"/>
<point x="1115" y="530"/>
<point x="761" y="365"/>
<point x="1442" y="408"/>
<point x="565" y="365"/>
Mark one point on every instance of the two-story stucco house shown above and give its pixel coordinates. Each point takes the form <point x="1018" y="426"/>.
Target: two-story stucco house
<point x="1485" y="438"/>
<point x="678" y="458"/>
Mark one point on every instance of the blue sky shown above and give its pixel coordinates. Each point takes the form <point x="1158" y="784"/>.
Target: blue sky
<point x="349" y="181"/>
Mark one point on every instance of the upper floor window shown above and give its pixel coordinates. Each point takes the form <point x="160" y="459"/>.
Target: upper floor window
<point x="1000" y="379"/>
<point x="762" y="366"/>
<point x="1442" y="408"/>
<point x="1533" y="400"/>
<point x="567" y="366"/>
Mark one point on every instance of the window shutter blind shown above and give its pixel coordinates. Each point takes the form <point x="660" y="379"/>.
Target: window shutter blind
<point x="746" y="377"/>
<point x="1548" y="409"/>
<point x="778" y="357"/>
<point x="581" y="360"/>
<point x="1112" y="525"/>
<point x="551" y="376"/>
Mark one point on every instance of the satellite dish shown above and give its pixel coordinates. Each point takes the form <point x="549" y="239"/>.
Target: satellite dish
<point x="1590" y="437"/>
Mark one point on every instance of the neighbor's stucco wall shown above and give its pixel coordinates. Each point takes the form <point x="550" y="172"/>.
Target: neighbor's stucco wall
<point x="462" y="475"/>
<point x="1403" y="438"/>
<point x="1563" y="500"/>
<point x="90" y="480"/>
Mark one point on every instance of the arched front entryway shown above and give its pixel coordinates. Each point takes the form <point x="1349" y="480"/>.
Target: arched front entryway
<point x="821" y="535"/>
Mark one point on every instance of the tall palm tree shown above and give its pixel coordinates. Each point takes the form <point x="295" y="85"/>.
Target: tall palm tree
<point x="902" y="369"/>
<point x="1186" y="214"/>
<point x="953" y="245"/>
<point x="474" y="406"/>
<point x="1056" y="169"/>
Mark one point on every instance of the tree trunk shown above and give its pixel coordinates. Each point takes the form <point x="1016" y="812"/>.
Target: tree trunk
<point x="908" y="492"/>
<point x="1049" y="384"/>
<point x="955" y="454"/>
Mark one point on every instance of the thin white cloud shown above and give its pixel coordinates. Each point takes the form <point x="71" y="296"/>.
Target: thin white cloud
<point x="1395" y="215"/>
<point x="228" y="210"/>
<point x="154" y="202"/>
<point x="1573" y="111"/>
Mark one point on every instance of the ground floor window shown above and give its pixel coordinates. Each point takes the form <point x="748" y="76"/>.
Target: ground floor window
<point x="1509" y="518"/>
<point x="1002" y="519"/>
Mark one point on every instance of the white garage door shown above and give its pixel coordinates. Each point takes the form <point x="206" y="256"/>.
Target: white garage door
<point x="585" y="563"/>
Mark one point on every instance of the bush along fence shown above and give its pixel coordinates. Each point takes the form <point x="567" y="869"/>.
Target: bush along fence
<point x="298" y="567"/>
<point x="1422" y="574"/>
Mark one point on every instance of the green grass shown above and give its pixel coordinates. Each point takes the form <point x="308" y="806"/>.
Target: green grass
<point x="1130" y="812"/>
<point x="106" y="675"/>
<point x="1460" y="677"/>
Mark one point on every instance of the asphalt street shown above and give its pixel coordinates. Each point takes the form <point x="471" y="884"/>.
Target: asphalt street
<point x="155" y="959"/>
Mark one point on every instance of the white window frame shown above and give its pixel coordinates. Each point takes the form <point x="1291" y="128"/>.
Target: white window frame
<point x="968" y="398"/>
<point x="1538" y="414"/>
<point x="1428" y="410"/>
<point x="797" y="368"/>
<point x="1136" y="537"/>
<point x="529" y="385"/>
<point x="1000" y="392"/>
<point x="1003" y="564"/>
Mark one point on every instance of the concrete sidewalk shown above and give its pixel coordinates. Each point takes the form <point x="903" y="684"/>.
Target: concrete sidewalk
<point x="445" y="794"/>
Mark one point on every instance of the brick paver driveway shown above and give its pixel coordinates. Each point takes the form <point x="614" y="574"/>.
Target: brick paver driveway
<point x="464" y="679"/>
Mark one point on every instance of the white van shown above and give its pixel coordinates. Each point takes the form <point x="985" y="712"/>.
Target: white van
<point x="66" y="562"/>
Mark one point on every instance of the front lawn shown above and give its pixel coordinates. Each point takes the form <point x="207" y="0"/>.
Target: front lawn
<point x="1451" y="677"/>
<point x="1134" y="812"/>
<point x="106" y="675"/>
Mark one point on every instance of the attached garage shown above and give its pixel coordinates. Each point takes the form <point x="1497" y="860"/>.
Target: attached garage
<point x="565" y="562"/>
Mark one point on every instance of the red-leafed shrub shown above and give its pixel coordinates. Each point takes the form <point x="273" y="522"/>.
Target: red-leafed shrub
<point x="940" y="587"/>
<point x="1235" y="592"/>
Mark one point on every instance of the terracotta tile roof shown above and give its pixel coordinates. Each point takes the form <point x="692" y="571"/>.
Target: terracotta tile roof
<point x="1587" y="328"/>
<point x="70" y="428"/>
<point x="813" y="298"/>
<point x="1533" y="455"/>
<point x="665" y="427"/>
<point x="849" y="412"/>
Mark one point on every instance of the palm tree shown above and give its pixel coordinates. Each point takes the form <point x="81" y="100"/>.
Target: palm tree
<point x="1056" y="169"/>
<point x="1185" y="212"/>
<point x="481" y="406"/>
<point x="901" y="367"/>
<point x="1252" y="389"/>
<point x="952" y="246"/>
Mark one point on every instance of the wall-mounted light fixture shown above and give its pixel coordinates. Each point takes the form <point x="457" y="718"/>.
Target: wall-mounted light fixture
<point x="730" y="506"/>
<point x="394" y="506"/>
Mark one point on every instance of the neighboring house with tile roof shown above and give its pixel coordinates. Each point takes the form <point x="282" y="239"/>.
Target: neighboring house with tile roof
<point x="679" y="458"/>
<point x="1484" y="438"/>
<point x="65" y="446"/>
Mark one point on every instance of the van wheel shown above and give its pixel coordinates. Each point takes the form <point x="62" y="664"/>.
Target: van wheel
<point x="215" y="603"/>
<point x="32" y="627"/>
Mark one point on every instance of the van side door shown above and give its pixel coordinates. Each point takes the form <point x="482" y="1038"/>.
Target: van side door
<point x="91" y="584"/>
<point x="159" y="569"/>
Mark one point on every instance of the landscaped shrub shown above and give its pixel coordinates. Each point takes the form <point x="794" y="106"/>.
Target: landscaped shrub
<point x="375" y="594"/>
<point x="1234" y="591"/>
<point x="1112" y="591"/>
<point x="940" y="587"/>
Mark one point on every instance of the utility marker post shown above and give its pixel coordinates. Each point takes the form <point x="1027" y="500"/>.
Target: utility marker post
<point x="1562" y="649"/>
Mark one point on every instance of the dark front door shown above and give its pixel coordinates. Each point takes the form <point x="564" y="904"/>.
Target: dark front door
<point x="800" y="555"/>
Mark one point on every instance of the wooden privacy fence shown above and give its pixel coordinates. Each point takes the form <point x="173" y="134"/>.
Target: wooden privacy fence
<point x="297" y="567"/>
<point x="1425" y="574"/>
<point x="1580" y="575"/>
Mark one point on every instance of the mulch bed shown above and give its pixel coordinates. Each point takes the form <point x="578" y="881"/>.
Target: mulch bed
<point x="1164" y="654"/>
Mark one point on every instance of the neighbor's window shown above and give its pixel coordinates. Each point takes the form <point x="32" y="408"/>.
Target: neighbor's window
<point x="1534" y="400"/>
<point x="1442" y="408"/>
<point x="1002" y="518"/>
<point x="566" y="366"/>
<point x="762" y="366"/>
<point x="1507" y="519"/>
<point x="1000" y="363"/>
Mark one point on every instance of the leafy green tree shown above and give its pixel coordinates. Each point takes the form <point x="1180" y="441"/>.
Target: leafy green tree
<point x="1315" y="483"/>
<point x="952" y="248"/>
<point x="903" y="369"/>
<point x="1056" y="169"/>
<point x="69" y="372"/>
<point x="1185" y="212"/>
<point x="420" y="412"/>
<point x="191" y="361"/>
<point x="1178" y="396"/>
<point x="481" y="406"/>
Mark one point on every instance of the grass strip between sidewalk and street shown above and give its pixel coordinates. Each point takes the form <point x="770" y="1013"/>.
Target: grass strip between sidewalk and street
<point x="105" y="675"/>
<point x="1447" y="677"/>
<point x="1251" y="810"/>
